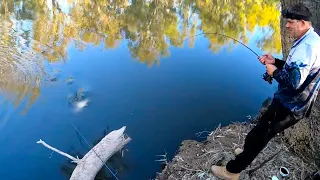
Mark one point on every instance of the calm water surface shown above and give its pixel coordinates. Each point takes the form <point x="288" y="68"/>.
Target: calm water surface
<point x="132" y="60"/>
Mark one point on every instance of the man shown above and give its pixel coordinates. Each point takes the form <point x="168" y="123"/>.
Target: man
<point x="298" y="79"/>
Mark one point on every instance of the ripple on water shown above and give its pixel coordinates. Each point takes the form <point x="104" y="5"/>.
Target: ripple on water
<point x="21" y="75"/>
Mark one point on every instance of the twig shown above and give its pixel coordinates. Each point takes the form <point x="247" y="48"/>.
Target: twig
<point x="220" y="136"/>
<point x="234" y="145"/>
<point x="192" y="170"/>
<point x="221" y="146"/>
<point x="202" y="132"/>
<point x="51" y="154"/>
<point x="164" y="160"/>
<point x="213" y="133"/>
<point x="212" y="151"/>
<point x="179" y="158"/>
<point x="287" y="162"/>
<point x="302" y="172"/>
<point x="75" y="160"/>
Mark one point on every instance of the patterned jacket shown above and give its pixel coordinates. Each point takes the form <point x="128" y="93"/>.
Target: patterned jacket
<point x="298" y="76"/>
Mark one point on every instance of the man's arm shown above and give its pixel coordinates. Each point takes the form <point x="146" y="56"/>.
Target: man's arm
<point x="297" y="71"/>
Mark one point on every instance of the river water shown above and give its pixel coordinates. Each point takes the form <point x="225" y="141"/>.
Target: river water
<point x="135" y="65"/>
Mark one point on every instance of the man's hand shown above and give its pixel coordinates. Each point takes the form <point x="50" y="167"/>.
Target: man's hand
<point x="270" y="69"/>
<point x="266" y="59"/>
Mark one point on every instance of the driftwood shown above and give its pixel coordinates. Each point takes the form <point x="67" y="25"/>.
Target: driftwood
<point x="88" y="167"/>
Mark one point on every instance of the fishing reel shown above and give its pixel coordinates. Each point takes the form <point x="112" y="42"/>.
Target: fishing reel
<point x="267" y="78"/>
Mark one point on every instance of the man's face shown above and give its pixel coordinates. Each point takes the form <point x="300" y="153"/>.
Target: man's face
<point x="295" y="28"/>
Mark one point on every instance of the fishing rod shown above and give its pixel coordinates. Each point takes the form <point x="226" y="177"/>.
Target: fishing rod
<point x="227" y="37"/>
<point x="265" y="76"/>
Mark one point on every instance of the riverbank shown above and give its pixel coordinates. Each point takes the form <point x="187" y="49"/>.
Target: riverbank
<point x="194" y="159"/>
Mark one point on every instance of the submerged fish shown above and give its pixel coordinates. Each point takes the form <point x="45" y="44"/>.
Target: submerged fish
<point x="78" y="100"/>
<point x="69" y="80"/>
<point x="79" y="105"/>
<point x="82" y="104"/>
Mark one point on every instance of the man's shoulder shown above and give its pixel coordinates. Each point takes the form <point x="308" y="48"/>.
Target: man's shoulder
<point x="313" y="40"/>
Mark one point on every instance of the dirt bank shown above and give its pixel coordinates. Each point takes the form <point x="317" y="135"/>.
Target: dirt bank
<point x="194" y="159"/>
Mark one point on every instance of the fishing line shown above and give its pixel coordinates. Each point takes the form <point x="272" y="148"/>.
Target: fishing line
<point x="113" y="174"/>
<point x="227" y="37"/>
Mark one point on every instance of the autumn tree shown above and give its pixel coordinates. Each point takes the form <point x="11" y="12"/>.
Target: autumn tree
<point x="235" y="18"/>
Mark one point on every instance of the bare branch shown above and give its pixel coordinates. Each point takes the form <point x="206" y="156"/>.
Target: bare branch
<point x="58" y="151"/>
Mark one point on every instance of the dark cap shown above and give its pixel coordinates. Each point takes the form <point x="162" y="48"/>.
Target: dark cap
<point x="287" y="14"/>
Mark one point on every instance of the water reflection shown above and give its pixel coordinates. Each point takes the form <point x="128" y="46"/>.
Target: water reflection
<point x="38" y="37"/>
<point x="21" y="74"/>
<point x="148" y="27"/>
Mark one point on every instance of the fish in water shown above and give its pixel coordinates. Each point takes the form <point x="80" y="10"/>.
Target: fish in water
<point x="53" y="79"/>
<point x="80" y="105"/>
<point x="77" y="96"/>
<point x="69" y="80"/>
<point x="78" y="100"/>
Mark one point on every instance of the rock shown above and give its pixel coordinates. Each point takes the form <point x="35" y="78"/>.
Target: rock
<point x="238" y="151"/>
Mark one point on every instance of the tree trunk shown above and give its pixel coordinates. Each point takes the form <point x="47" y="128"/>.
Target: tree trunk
<point x="88" y="167"/>
<point x="304" y="137"/>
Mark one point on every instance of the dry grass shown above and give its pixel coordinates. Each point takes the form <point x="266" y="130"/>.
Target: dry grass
<point x="195" y="159"/>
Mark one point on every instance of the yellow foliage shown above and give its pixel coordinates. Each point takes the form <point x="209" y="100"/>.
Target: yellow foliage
<point x="236" y="17"/>
<point x="105" y="21"/>
<point x="150" y="27"/>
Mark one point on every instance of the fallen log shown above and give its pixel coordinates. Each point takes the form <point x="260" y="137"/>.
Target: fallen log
<point x="88" y="167"/>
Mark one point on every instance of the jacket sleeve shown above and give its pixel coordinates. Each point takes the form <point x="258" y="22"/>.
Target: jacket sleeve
<point x="297" y="68"/>
<point x="279" y="63"/>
